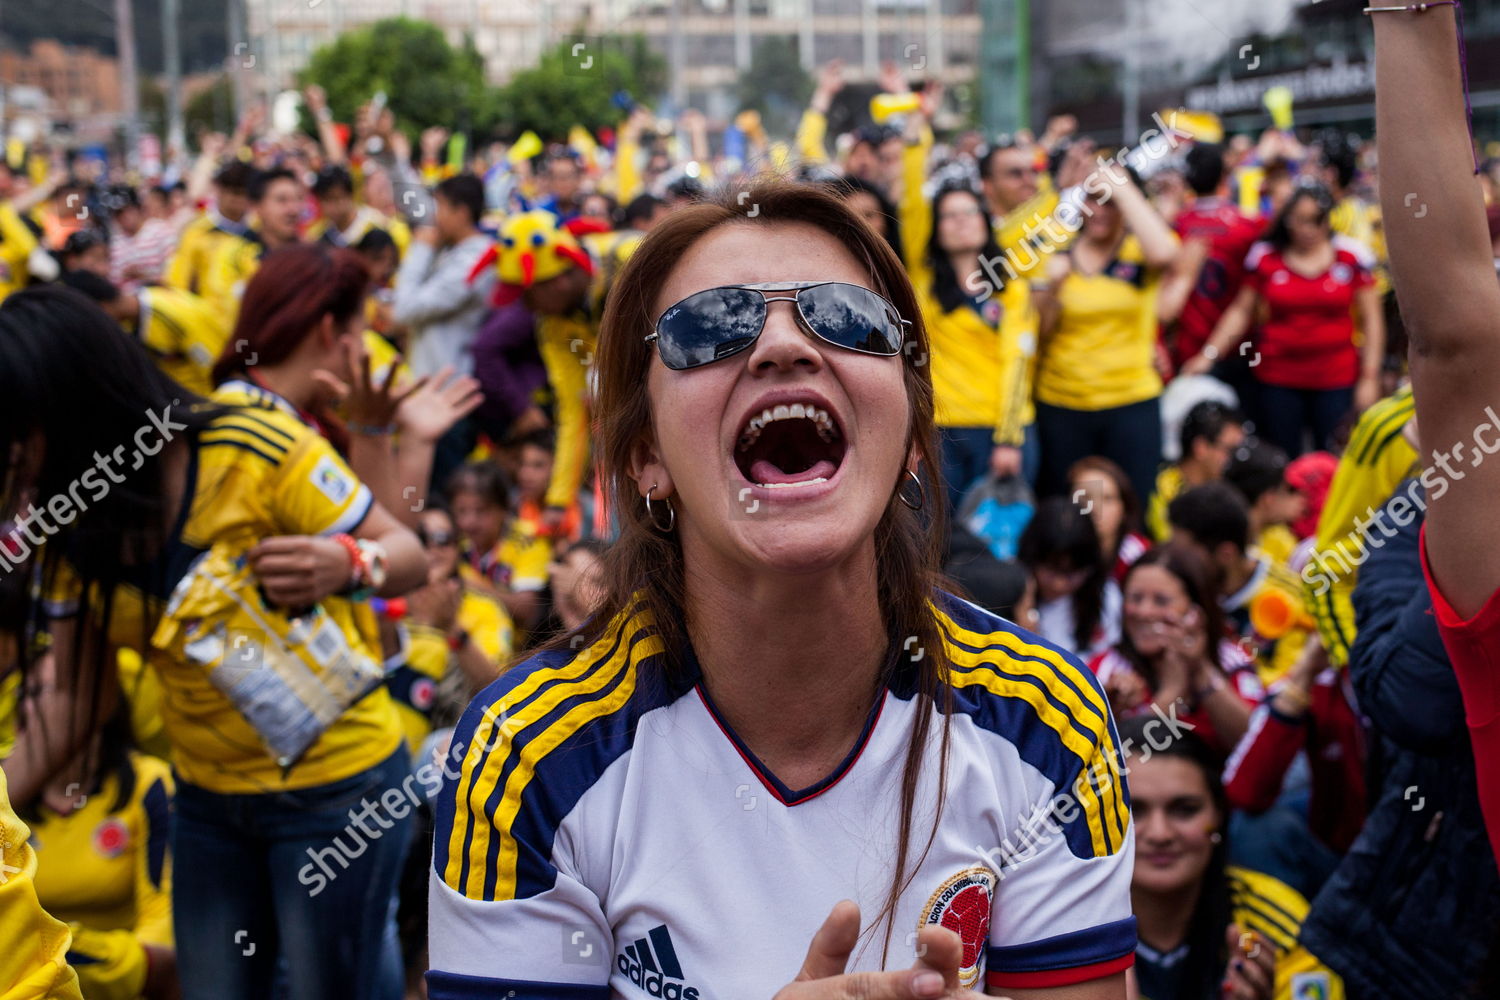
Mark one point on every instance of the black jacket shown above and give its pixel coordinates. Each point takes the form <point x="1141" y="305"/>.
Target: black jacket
<point x="1413" y="911"/>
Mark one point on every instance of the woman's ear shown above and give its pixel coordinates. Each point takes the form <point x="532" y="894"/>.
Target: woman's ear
<point x="647" y="468"/>
<point x="327" y="332"/>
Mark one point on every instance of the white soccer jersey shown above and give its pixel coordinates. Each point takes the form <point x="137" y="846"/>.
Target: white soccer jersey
<point x="607" y="835"/>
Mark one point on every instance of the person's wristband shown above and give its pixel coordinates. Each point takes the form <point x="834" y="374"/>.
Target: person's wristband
<point x="356" y="559"/>
<point x="459" y="640"/>
<point x="371" y="430"/>
<point x="323" y="115"/>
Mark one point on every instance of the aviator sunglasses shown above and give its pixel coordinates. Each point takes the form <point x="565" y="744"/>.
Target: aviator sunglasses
<point x="717" y="323"/>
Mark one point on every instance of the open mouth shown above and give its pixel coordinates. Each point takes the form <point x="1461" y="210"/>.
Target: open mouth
<point x="790" y="445"/>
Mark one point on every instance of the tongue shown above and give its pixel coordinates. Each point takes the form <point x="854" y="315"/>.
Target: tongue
<point x="766" y="473"/>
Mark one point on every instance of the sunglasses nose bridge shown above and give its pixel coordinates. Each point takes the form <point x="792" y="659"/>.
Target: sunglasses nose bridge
<point x="771" y="327"/>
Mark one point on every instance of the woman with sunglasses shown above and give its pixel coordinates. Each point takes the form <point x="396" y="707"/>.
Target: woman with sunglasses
<point x="763" y="766"/>
<point x="1315" y="296"/>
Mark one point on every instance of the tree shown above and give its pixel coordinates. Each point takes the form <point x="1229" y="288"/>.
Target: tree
<point x="576" y="83"/>
<point x="775" y="84"/>
<point x="426" y="81"/>
<point x="211" y="109"/>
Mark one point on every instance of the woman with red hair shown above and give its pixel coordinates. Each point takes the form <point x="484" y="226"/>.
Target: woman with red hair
<point x="299" y="345"/>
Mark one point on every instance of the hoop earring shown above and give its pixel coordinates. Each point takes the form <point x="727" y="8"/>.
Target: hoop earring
<point x="921" y="496"/>
<point x="651" y="513"/>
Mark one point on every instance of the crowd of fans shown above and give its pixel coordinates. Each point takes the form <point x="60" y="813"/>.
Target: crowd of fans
<point x="1170" y="389"/>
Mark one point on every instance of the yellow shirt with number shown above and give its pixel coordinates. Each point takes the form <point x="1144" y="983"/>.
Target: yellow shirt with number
<point x="1102" y="354"/>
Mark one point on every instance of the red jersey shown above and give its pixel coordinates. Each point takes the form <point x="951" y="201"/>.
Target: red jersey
<point x="1473" y="646"/>
<point x="1334" y="738"/>
<point x="1308" y="341"/>
<point x="1230" y="234"/>
<point x="1238" y="667"/>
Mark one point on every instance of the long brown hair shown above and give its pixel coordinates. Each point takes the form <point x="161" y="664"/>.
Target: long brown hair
<point x="645" y="566"/>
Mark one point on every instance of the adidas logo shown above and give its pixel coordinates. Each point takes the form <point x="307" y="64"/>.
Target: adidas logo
<point x="651" y="964"/>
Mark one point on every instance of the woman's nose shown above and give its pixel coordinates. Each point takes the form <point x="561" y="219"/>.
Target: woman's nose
<point x="784" y="343"/>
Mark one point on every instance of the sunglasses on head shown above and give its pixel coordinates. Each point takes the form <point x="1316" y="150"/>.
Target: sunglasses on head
<point x="717" y="323"/>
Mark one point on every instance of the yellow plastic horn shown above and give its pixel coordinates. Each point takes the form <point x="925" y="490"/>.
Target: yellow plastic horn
<point x="1278" y="101"/>
<point x="527" y="145"/>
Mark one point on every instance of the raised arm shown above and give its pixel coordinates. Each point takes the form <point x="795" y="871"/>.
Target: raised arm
<point x="1443" y="270"/>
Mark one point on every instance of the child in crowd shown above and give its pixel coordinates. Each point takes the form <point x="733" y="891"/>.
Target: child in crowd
<point x="498" y="550"/>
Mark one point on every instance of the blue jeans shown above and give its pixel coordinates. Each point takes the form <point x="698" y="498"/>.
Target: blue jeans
<point x="965" y="454"/>
<point x="1284" y="416"/>
<point x="1129" y="435"/>
<point x="309" y="876"/>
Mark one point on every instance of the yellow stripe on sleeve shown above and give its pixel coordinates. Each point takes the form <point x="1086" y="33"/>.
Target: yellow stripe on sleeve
<point x="1089" y="710"/>
<point x="582" y="675"/>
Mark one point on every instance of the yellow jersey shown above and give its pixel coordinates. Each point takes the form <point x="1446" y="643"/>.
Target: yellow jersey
<point x="188" y="268"/>
<point x="230" y="268"/>
<point x="17" y="243"/>
<point x="1275" y="910"/>
<point x="365" y="219"/>
<point x="981" y="375"/>
<point x="256" y="471"/>
<point x="1278" y="543"/>
<point x="982" y="367"/>
<point x="1102" y="354"/>
<point x="428" y="659"/>
<point x="1168" y="485"/>
<point x="567" y="345"/>
<point x="105" y="869"/>
<point x="1377" y="458"/>
<point x="33" y="963"/>
<point x="1024" y="245"/>
<point x="185" y="334"/>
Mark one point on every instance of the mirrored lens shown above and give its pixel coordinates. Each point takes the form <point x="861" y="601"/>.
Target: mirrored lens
<point x="710" y="325"/>
<point x="851" y="316"/>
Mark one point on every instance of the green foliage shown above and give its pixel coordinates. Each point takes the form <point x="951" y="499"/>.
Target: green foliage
<point x="575" y="84"/>
<point x="210" y="110"/>
<point x="775" y="84"/>
<point x="426" y="80"/>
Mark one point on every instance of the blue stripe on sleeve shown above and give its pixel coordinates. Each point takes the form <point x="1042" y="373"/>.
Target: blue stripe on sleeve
<point x="1066" y="951"/>
<point x="451" y="986"/>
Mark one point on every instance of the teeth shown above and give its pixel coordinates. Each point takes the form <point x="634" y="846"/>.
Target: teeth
<point x="787" y="486"/>
<point x="796" y="411"/>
